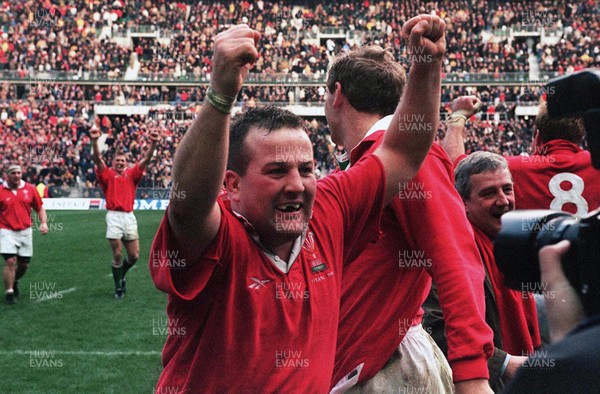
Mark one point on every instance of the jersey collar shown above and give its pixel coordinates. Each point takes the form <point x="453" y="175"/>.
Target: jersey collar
<point x="281" y="265"/>
<point x="21" y="184"/>
<point x="556" y="146"/>
<point x="370" y="137"/>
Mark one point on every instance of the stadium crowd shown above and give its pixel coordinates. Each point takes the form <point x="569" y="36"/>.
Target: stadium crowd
<point x="76" y="37"/>
<point x="44" y="36"/>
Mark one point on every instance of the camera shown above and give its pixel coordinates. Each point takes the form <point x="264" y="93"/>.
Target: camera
<point x="525" y="232"/>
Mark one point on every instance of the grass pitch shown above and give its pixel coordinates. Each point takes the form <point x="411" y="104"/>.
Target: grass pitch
<point x="67" y="333"/>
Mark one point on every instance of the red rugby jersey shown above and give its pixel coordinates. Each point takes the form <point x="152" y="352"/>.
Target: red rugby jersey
<point x="424" y="232"/>
<point x="119" y="190"/>
<point x="560" y="177"/>
<point x="15" y="209"/>
<point x="238" y="324"/>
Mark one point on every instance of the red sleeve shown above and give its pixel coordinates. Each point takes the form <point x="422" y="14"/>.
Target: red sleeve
<point x="136" y="174"/>
<point x="437" y="225"/>
<point x="355" y="198"/>
<point x="186" y="276"/>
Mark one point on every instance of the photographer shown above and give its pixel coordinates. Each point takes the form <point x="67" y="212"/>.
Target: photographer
<point x="570" y="365"/>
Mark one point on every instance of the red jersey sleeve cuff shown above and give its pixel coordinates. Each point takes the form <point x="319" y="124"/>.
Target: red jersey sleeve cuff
<point x="468" y="369"/>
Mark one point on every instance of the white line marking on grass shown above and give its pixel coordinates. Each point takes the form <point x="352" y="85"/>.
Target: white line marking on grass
<point x="85" y="353"/>
<point x="57" y="294"/>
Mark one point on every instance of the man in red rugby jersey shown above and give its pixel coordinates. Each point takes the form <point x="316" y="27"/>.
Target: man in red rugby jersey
<point x="17" y="199"/>
<point x="425" y="233"/>
<point x="258" y="294"/>
<point x="119" y="184"/>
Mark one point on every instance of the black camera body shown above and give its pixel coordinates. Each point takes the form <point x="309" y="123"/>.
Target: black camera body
<point x="524" y="233"/>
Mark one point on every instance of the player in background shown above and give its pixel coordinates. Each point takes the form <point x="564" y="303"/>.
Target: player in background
<point x="425" y="233"/>
<point x="259" y="294"/>
<point x="119" y="184"/>
<point x="17" y="199"/>
<point x="557" y="175"/>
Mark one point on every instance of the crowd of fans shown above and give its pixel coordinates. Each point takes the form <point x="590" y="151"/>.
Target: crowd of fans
<point x="45" y="125"/>
<point x="524" y="93"/>
<point x="50" y="139"/>
<point x="77" y="36"/>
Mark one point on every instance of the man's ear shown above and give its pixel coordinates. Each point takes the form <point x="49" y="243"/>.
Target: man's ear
<point x="466" y="205"/>
<point x="537" y="140"/>
<point x="232" y="185"/>
<point x="338" y="96"/>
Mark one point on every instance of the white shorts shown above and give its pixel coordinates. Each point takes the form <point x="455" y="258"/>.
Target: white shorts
<point x="417" y="366"/>
<point x="121" y="225"/>
<point x="19" y="243"/>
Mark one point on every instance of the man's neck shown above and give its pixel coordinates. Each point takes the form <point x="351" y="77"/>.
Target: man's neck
<point x="355" y="128"/>
<point x="282" y="251"/>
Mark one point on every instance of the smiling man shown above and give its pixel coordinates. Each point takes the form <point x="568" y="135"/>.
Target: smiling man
<point x="254" y="279"/>
<point x="484" y="182"/>
<point x="118" y="185"/>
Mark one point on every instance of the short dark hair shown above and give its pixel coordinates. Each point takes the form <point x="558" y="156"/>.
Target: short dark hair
<point x="268" y="118"/>
<point x="565" y="128"/>
<point x="371" y="79"/>
<point x="476" y="163"/>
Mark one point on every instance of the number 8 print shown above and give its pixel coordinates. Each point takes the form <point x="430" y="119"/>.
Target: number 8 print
<point x="568" y="196"/>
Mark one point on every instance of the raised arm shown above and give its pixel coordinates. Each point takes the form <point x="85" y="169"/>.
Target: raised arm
<point x="413" y="127"/>
<point x="462" y="109"/>
<point x="96" y="156"/>
<point x="201" y="158"/>
<point x="154" y="138"/>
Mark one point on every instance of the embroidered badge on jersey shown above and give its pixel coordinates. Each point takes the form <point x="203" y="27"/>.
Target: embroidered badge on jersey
<point x="316" y="264"/>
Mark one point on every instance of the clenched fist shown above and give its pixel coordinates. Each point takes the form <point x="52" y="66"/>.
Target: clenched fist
<point x="235" y="53"/>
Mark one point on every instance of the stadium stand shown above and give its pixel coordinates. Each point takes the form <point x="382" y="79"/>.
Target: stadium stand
<point x="60" y="63"/>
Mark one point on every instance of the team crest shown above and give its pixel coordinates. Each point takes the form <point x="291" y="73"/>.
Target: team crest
<point x="316" y="264"/>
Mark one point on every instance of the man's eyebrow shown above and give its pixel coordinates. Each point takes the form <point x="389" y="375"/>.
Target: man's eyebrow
<point x="277" y="163"/>
<point x="487" y="189"/>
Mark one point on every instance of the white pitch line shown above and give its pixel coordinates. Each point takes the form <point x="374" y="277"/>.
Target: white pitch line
<point x="55" y="294"/>
<point x="83" y="353"/>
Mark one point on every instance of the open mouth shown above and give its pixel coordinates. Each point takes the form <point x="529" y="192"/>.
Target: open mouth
<point x="289" y="208"/>
<point x="498" y="215"/>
